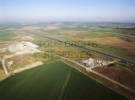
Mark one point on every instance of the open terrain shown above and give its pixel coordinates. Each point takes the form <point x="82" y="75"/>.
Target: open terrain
<point x="58" y="81"/>
<point x="54" y="81"/>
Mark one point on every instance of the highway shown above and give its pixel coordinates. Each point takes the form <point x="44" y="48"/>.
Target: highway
<point x="120" y="59"/>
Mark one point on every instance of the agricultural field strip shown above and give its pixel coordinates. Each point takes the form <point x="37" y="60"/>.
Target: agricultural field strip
<point x="94" y="72"/>
<point x="10" y="56"/>
<point x="29" y="66"/>
<point x="98" y="74"/>
<point x="91" y="49"/>
<point x="40" y="63"/>
<point x="13" y="55"/>
<point x="30" y="91"/>
<point x="111" y="82"/>
<point x="64" y="85"/>
<point x="101" y="75"/>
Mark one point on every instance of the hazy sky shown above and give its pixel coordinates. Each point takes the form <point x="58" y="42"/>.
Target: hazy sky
<point x="69" y="10"/>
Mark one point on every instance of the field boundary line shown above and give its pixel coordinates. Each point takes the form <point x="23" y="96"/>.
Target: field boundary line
<point x="101" y="76"/>
<point x="29" y="66"/>
<point x="65" y="85"/>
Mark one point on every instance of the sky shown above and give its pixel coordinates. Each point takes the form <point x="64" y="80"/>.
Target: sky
<point x="67" y="10"/>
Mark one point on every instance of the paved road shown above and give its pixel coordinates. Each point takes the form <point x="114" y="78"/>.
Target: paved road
<point x="120" y="59"/>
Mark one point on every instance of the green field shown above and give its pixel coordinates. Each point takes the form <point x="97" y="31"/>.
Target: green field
<point x="6" y="35"/>
<point x="54" y="81"/>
